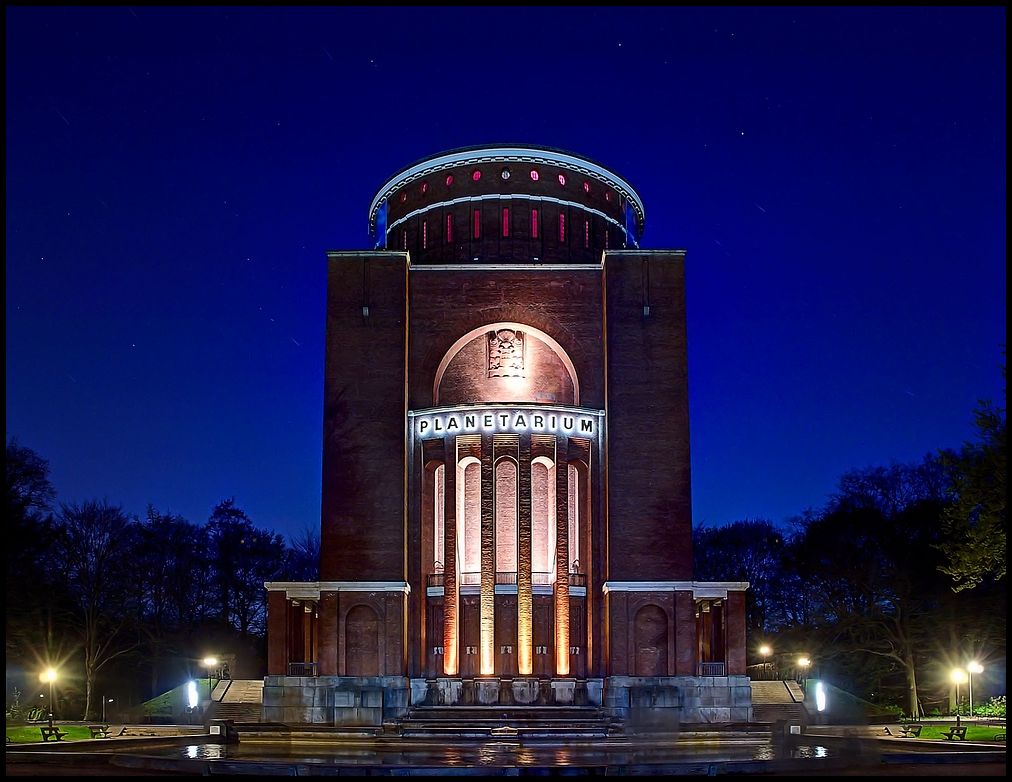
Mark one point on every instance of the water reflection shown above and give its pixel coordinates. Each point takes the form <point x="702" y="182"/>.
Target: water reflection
<point x="498" y="754"/>
<point x="205" y="751"/>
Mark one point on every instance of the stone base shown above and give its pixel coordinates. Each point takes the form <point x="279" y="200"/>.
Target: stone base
<point x="341" y="701"/>
<point x="665" y="701"/>
<point x="493" y="691"/>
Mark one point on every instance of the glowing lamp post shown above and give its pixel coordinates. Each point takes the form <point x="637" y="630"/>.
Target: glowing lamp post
<point x="765" y="651"/>
<point x="804" y="662"/>
<point x="958" y="677"/>
<point x="49" y="675"/>
<point x="971" y="669"/>
<point x="210" y="663"/>
<point x="105" y="701"/>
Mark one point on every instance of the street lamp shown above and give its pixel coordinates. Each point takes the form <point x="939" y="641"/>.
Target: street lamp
<point x="765" y="651"/>
<point x="105" y="701"/>
<point x="958" y="676"/>
<point x="49" y="675"/>
<point x="804" y="662"/>
<point x="209" y="663"/>
<point x="972" y="668"/>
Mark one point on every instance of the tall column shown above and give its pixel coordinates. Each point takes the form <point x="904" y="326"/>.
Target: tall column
<point x="562" y="556"/>
<point x="486" y="621"/>
<point x="451" y="600"/>
<point x="525" y="594"/>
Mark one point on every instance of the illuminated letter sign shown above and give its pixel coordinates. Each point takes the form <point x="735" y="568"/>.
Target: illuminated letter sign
<point x="545" y="420"/>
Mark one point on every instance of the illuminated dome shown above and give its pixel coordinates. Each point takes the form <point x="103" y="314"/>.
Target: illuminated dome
<point x="506" y="204"/>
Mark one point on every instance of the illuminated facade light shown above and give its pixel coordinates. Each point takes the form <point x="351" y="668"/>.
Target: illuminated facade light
<point x="486" y="513"/>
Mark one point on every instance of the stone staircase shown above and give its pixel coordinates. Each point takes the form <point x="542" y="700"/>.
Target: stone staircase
<point x="504" y="722"/>
<point x="772" y="701"/>
<point x="240" y="700"/>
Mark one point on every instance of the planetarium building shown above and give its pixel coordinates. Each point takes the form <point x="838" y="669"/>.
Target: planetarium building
<point x="506" y="515"/>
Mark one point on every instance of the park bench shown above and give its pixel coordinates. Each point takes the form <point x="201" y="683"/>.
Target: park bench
<point x="52" y="733"/>
<point x="909" y="731"/>
<point x="956" y="732"/>
<point x="99" y="731"/>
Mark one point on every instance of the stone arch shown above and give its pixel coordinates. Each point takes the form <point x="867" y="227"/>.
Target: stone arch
<point x="552" y="345"/>
<point x="361" y="641"/>
<point x="650" y="639"/>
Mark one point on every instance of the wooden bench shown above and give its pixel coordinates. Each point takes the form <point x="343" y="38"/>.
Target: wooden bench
<point x="909" y="731"/>
<point x="52" y="733"/>
<point x="99" y="731"/>
<point x="956" y="733"/>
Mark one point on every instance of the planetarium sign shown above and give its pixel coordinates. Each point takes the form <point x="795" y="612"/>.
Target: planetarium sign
<point x="506" y="419"/>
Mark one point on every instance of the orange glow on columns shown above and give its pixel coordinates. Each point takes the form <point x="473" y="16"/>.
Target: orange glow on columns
<point x="562" y="629"/>
<point x="450" y="650"/>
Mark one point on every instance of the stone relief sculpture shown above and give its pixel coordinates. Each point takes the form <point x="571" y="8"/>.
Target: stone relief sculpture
<point x="506" y="353"/>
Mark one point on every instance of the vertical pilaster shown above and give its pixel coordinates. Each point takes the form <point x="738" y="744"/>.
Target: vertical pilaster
<point x="525" y="596"/>
<point x="562" y="556"/>
<point x="735" y="633"/>
<point x="277" y="633"/>
<point x="451" y="598"/>
<point x="328" y="634"/>
<point x="685" y="634"/>
<point x="486" y="608"/>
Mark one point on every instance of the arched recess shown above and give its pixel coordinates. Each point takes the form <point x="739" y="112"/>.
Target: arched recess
<point x="543" y="519"/>
<point x="650" y="638"/>
<point x="506" y="506"/>
<point x="530" y="331"/>
<point x="361" y="642"/>
<point x="469" y="515"/>
<point x="438" y="508"/>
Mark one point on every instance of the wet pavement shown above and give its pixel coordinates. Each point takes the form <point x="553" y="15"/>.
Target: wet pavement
<point x="828" y="751"/>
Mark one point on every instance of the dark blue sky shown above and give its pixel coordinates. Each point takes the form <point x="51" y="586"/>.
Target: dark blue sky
<point x="175" y="176"/>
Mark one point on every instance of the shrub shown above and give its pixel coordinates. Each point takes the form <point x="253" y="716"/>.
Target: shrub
<point x="993" y="708"/>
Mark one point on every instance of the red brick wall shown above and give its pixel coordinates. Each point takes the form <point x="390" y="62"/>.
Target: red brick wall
<point x="685" y="634"/>
<point x="650" y="519"/>
<point x="277" y="634"/>
<point x="445" y="306"/>
<point x="735" y="629"/>
<point x="364" y="420"/>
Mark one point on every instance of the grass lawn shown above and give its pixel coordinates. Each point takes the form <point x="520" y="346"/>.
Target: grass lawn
<point x="973" y="732"/>
<point x="23" y="734"/>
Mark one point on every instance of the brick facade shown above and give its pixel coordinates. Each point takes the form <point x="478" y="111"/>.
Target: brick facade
<point x="472" y="247"/>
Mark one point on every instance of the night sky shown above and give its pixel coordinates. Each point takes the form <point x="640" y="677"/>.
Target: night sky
<point x="175" y="176"/>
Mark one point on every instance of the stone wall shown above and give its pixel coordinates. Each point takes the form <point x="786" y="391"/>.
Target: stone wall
<point x="662" y="702"/>
<point x="349" y="701"/>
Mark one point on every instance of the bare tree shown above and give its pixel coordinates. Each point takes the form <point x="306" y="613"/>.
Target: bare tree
<point x="95" y="555"/>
